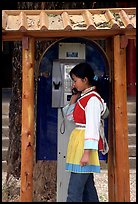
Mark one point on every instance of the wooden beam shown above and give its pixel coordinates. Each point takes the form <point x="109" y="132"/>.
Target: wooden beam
<point x="122" y="183"/>
<point x="27" y="140"/>
<point x="131" y="10"/>
<point x="97" y="33"/>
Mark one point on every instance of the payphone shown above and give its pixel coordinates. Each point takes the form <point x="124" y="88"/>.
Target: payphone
<point x="61" y="83"/>
<point x="70" y="54"/>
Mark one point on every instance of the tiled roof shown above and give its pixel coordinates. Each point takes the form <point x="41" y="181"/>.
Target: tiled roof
<point x="108" y="21"/>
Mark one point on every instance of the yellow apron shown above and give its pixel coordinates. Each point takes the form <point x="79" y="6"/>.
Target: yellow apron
<point x="75" y="151"/>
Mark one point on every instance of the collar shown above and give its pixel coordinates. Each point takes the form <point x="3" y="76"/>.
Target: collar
<point x="88" y="90"/>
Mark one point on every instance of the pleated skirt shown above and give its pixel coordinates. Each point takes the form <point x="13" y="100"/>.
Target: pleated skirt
<point x="75" y="151"/>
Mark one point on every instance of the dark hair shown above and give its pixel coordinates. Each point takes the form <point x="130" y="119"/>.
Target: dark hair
<point x="83" y="70"/>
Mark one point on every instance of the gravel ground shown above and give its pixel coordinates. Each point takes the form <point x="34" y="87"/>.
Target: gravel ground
<point x="100" y="182"/>
<point x="102" y="185"/>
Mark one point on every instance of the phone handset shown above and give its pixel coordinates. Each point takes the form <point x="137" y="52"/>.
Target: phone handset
<point x="62" y="74"/>
<point x="74" y="91"/>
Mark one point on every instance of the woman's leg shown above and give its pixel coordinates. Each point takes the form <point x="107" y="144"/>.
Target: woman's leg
<point x="76" y="186"/>
<point x="90" y="192"/>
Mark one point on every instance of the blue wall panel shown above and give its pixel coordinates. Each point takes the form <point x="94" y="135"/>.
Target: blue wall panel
<point x="46" y="127"/>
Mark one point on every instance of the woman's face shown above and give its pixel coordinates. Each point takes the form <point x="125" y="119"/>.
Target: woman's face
<point x="80" y="84"/>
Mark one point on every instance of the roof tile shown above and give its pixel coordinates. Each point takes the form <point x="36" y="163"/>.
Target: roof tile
<point x="114" y="19"/>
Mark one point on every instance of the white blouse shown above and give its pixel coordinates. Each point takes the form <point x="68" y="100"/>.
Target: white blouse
<point x="93" y="111"/>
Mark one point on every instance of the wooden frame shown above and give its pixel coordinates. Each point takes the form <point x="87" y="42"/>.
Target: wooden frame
<point x="118" y="162"/>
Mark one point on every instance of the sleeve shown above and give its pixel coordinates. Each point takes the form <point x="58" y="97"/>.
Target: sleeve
<point x="93" y="116"/>
<point x="68" y="111"/>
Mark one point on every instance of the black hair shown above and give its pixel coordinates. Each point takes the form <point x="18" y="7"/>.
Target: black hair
<point x="83" y="70"/>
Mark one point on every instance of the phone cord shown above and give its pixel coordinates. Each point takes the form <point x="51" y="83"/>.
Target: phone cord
<point x="62" y="126"/>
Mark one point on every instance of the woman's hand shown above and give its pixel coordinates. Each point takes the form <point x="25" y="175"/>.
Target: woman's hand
<point x="74" y="98"/>
<point x="85" y="157"/>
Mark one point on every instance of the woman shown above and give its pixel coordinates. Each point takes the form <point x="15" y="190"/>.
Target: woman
<point x="85" y="109"/>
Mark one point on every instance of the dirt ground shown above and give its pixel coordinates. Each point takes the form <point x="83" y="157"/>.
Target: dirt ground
<point x="12" y="193"/>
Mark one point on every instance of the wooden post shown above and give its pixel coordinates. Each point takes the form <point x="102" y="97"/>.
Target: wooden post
<point x="27" y="141"/>
<point x="122" y="181"/>
<point x="111" y="137"/>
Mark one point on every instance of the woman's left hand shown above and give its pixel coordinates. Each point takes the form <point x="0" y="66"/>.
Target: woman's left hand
<point x="85" y="157"/>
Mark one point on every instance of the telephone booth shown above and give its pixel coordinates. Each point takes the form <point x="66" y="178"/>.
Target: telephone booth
<point x="83" y="28"/>
<point x="54" y="92"/>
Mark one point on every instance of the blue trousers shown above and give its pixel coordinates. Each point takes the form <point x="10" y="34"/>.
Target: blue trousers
<point x="82" y="188"/>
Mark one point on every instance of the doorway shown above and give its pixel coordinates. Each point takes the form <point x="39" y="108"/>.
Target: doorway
<point x="51" y="143"/>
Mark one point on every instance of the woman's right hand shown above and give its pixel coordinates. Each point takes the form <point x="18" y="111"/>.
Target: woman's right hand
<point x="74" y="97"/>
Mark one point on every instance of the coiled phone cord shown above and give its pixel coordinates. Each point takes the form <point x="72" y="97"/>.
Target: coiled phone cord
<point x="62" y="126"/>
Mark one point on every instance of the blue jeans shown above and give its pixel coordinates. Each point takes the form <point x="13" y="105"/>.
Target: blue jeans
<point x="81" y="188"/>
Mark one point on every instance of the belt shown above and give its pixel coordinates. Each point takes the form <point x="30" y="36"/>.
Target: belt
<point x="80" y="126"/>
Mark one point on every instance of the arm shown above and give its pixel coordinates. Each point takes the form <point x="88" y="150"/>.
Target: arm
<point x="74" y="98"/>
<point x="93" y="117"/>
<point x="92" y="113"/>
<point x="68" y="110"/>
